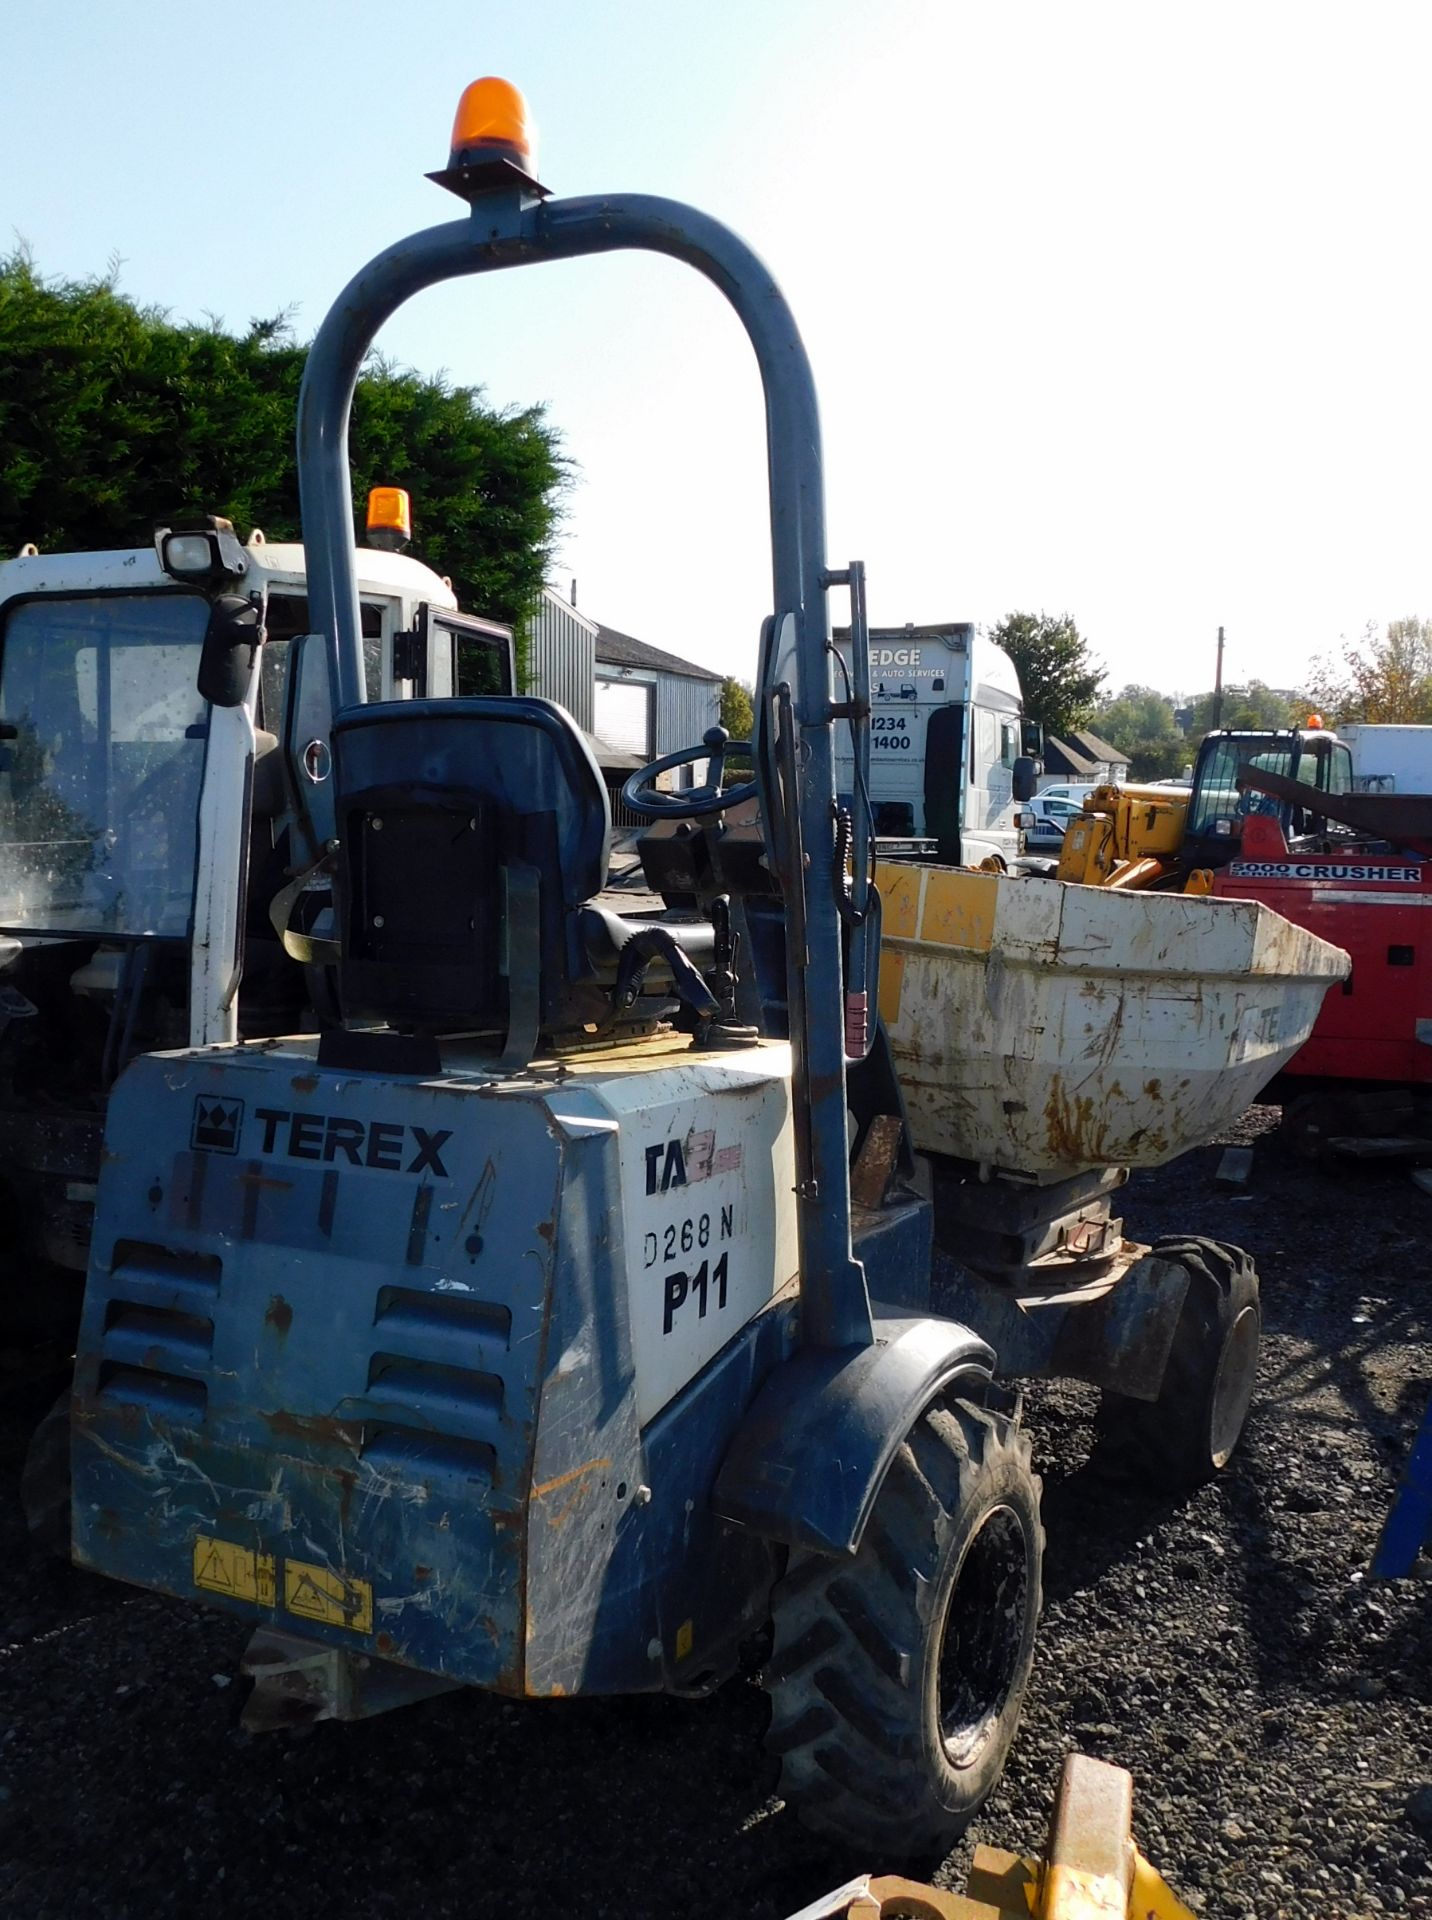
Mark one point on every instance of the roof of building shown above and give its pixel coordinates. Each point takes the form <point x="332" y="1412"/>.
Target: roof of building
<point x="1097" y="749"/>
<point x="1061" y="757"/>
<point x="621" y="650"/>
<point x="1082" y="753"/>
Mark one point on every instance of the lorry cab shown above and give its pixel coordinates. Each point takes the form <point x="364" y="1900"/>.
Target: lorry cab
<point x="1217" y="809"/>
<point x="145" y="831"/>
<point x="947" y="734"/>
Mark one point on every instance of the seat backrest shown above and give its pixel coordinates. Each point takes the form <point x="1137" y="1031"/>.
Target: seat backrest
<point x="469" y="832"/>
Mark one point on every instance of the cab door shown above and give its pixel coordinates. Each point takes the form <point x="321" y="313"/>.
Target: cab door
<point x="990" y="808"/>
<point x="456" y="653"/>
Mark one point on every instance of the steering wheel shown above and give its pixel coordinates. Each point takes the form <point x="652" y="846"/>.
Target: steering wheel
<point x="692" y="803"/>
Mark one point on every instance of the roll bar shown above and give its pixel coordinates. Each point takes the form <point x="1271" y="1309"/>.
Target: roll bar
<point x="511" y="227"/>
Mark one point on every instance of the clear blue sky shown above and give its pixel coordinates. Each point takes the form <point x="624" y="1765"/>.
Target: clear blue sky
<point x="1117" y="309"/>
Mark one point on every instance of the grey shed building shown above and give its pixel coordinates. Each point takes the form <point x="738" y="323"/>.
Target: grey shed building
<point x="562" y="656"/>
<point x="636" y="701"/>
<point x="649" y="701"/>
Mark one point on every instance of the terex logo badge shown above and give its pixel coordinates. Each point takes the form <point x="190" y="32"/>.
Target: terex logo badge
<point x="384" y="1144"/>
<point x="217" y="1124"/>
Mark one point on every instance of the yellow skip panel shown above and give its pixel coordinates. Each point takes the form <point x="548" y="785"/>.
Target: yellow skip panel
<point x="958" y="909"/>
<point x="945" y="906"/>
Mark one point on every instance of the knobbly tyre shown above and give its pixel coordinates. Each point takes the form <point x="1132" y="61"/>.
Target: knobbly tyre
<point x="560" y="1322"/>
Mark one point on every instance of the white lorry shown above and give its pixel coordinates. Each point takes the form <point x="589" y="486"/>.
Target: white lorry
<point x="1389" y="759"/>
<point x="146" y="829"/>
<point x="949" y="744"/>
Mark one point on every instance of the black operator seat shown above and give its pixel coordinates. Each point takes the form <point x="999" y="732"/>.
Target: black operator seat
<point x="472" y="835"/>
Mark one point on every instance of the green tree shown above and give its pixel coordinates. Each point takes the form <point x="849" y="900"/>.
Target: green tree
<point x="1384" y="678"/>
<point x="1060" y="680"/>
<point x="1255" y="708"/>
<point x="738" y="717"/>
<point x="114" y="417"/>
<point x="1141" y="722"/>
<point x="737" y="714"/>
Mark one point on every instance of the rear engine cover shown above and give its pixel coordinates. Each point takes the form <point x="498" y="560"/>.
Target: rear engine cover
<point x="438" y="1370"/>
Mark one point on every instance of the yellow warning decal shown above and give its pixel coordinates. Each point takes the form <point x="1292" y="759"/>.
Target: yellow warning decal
<point x="234" y="1572"/>
<point x="316" y="1593"/>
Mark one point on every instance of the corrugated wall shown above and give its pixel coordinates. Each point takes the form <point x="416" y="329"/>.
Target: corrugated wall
<point x="684" y="710"/>
<point x="562" y="666"/>
<point x="561" y="656"/>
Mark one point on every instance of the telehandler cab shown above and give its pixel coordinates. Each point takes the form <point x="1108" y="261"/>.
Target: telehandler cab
<point x="511" y="1334"/>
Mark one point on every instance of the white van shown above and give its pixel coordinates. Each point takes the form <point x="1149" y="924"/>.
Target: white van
<point x="1052" y="814"/>
<point x="1074" y="790"/>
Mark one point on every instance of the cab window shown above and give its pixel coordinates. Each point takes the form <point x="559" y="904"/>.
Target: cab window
<point x="1216" y="796"/>
<point x="285" y="618"/>
<point x="102" y="735"/>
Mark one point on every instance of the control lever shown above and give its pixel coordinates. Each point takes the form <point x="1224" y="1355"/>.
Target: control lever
<point x="726" y="1029"/>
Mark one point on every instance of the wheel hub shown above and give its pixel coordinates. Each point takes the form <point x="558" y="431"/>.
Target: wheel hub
<point x="983" y="1633"/>
<point x="1233" y="1385"/>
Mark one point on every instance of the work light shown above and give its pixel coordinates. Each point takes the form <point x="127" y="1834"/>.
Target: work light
<point x="207" y="556"/>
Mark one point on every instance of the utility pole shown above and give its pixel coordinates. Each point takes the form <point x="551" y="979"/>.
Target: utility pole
<point x="1217" y="720"/>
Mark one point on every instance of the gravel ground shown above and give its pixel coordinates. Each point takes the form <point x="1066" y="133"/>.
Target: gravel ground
<point x="1274" y="1706"/>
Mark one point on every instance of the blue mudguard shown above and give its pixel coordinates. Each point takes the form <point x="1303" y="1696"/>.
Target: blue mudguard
<point x="811" y="1454"/>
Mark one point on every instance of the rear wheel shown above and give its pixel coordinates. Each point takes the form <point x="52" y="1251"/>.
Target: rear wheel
<point x="896" y="1678"/>
<point x="1186" y="1436"/>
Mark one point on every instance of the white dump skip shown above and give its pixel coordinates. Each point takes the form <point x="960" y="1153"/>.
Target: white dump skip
<point x="1045" y="1028"/>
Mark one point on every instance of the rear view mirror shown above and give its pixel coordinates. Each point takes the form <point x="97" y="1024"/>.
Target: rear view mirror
<point x="1026" y="777"/>
<point x="1031" y="738"/>
<point x="231" y="644"/>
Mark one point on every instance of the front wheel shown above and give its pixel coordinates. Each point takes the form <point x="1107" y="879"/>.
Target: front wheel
<point x="897" y="1677"/>
<point x="1186" y="1436"/>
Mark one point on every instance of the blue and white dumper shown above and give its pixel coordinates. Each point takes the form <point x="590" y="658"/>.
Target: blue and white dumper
<point x="557" y="1321"/>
